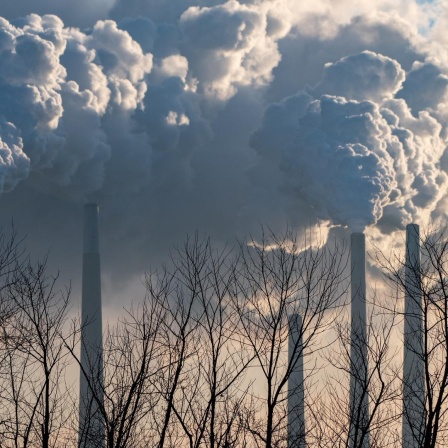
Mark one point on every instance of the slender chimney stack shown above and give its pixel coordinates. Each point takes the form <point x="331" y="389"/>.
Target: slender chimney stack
<point x="91" y="427"/>
<point x="359" y="399"/>
<point x="296" y="393"/>
<point x="413" y="366"/>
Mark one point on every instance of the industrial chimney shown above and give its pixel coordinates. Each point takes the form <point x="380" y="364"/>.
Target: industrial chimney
<point x="296" y="394"/>
<point x="359" y="399"/>
<point x="413" y="367"/>
<point x="91" y="426"/>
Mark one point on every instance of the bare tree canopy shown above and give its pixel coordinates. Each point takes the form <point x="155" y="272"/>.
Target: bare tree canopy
<point x="244" y="346"/>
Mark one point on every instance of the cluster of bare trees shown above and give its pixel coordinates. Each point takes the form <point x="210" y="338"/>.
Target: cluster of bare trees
<point x="33" y="360"/>
<point x="203" y="360"/>
<point x="429" y="281"/>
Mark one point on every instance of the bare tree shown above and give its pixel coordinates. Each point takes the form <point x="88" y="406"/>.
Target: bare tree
<point x="381" y="386"/>
<point x="34" y="392"/>
<point x="123" y="392"/>
<point x="213" y="382"/>
<point x="179" y="337"/>
<point x="275" y="278"/>
<point x="140" y="392"/>
<point x="429" y="280"/>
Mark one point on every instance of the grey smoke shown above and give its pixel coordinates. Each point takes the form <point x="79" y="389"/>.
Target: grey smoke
<point x="152" y="110"/>
<point x="352" y="147"/>
<point x="14" y="164"/>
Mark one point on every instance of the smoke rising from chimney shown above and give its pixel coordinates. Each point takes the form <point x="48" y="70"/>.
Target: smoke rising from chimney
<point x="152" y="116"/>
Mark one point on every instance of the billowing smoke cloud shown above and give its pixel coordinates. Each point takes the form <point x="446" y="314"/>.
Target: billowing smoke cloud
<point x="218" y="115"/>
<point x="335" y="156"/>
<point x="356" y="152"/>
<point x="363" y="77"/>
<point x="240" y="47"/>
<point x="14" y="164"/>
<point x="56" y="85"/>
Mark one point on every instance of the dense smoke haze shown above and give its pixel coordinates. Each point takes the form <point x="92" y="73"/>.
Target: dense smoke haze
<point x="218" y="116"/>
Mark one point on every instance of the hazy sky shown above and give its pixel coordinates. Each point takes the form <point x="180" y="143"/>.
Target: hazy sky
<point x="177" y="115"/>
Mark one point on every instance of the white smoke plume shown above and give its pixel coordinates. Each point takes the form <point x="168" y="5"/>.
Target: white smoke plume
<point x="355" y="149"/>
<point x="179" y="114"/>
<point x="240" y="47"/>
<point x="56" y="85"/>
<point x="14" y="164"/>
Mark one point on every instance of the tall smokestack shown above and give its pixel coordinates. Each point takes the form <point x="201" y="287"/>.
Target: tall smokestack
<point x="296" y="393"/>
<point x="359" y="400"/>
<point x="413" y="366"/>
<point x="91" y="427"/>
